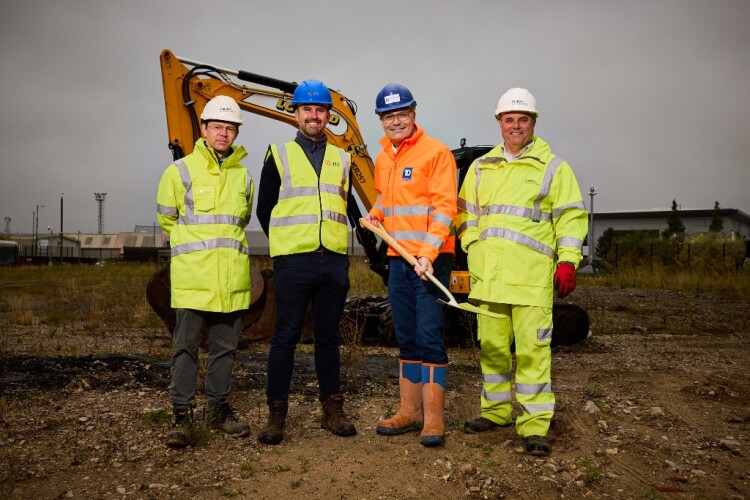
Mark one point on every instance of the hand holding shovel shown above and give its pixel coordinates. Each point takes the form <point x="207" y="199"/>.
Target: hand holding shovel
<point x="413" y="261"/>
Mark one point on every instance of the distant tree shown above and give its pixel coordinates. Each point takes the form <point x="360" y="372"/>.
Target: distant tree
<point x="605" y="243"/>
<point x="717" y="223"/>
<point x="675" y="227"/>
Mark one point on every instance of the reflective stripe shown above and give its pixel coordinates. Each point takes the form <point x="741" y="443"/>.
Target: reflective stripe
<point x="533" y="389"/>
<point x="544" y="334"/>
<point x="198" y="246"/>
<point x="378" y="206"/>
<point x="535" y="408"/>
<point x="521" y="239"/>
<point x="549" y="173"/>
<point x="466" y="206"/>
<point x="346" y="166"/>
<point x="500" y="378"/>
<point x="165" y="210"/>
<point x="568" y="241"/>
<point x="556" y="212"/>
<point x="187" y="183"/>
<point x="334" y="216"/>
<point x="291" y="192"/>
<point x="411" y="210"/>
<point x="496" y="396"/>
<point x="442" y="219"/>
<point x="516" y="211"/>
<point x="466" y="225"/>
<point x="387" y="212"/>
<point x="292" y="220"/>
<point x="433" y="240"/>
<point x="229" y="220"/>
<point x="331" y="189"/>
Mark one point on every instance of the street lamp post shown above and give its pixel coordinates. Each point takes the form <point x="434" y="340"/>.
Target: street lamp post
<point x="49" y="245"/>
<point x="592" y="193"/>
<point x="36" y="228"/>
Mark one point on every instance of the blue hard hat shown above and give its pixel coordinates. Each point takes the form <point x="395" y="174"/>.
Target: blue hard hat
<point x="311" y="92"/>
<point x="392" y="97"/>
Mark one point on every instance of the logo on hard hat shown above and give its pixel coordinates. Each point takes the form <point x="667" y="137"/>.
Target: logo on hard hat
<point x="391" y="98"/>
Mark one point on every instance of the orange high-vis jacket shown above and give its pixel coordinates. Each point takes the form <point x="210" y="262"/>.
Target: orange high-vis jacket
<point x="416" y="200"/>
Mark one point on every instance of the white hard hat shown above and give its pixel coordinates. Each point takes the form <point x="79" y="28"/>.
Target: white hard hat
<point x="222" y="108"/>
<point x="518" y="100"/>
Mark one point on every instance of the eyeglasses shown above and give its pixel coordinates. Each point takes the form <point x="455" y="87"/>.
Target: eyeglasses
<point x="229" y="129"/>
<point x="390" y="118"/>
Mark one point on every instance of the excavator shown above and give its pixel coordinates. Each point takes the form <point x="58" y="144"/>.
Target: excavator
<point x="189" y="85"/>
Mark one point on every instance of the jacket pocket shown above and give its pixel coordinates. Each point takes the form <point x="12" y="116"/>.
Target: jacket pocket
<point x="204" y="198"/>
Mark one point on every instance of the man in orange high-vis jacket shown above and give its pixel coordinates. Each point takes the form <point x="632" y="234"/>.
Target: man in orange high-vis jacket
<point x="415" y="178"/>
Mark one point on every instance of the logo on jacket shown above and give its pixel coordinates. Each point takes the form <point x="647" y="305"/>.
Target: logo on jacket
<point x="406" y="174"/>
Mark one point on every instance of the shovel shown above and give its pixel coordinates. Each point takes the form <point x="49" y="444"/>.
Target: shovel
<point x="413" y="261"/>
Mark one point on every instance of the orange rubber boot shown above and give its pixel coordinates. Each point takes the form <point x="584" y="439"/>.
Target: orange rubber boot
<point x="433" y="395"/>
<point x="409" y="416"/>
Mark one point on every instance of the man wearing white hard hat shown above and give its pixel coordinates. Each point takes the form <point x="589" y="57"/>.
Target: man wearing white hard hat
<point x="204" y="202"/>
<point x="522" y="222"/>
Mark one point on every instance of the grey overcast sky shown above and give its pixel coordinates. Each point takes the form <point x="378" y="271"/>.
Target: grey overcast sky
<point x="648" y="100"/>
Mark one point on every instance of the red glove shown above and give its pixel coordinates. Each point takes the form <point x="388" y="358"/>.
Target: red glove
<point x="565" y="279"/>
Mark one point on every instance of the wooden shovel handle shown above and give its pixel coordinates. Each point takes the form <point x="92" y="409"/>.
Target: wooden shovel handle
<point x="406" y="255"/>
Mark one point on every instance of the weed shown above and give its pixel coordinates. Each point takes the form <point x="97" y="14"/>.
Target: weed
<point x="304" y="463"/>
<point x="295" y="484"/>
<point x="280" y="468"/>
<point x="247" y="470"/>
<point x="493" y="464"/>
<point x="156" y="418"/>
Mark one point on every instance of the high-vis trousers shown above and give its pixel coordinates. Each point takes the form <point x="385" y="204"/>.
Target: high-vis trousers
<point x="531" y="327"/>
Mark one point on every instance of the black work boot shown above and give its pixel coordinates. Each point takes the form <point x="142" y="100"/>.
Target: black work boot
<point x="273" y="432"/>
<point x="183" y="420"/>
<point x="537" y="446"/>
<point x="481" y="424"/>
<point x="334" y="418"/>
<point x="223" y="419"/>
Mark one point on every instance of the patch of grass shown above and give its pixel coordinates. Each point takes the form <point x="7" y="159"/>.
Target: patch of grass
<point x="156" y="418"/>
<point x="593" y="471"/>
<point x="247" y="470"/>
<point x="304" y="463"/>
<point x="493" y="464"/>
<point x="280" y="468"/>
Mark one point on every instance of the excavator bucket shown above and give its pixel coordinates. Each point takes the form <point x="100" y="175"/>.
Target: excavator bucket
<point x="257" y="320"/>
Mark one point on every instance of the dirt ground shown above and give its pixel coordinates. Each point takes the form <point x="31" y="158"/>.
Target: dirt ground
<point x="654" y="404"/>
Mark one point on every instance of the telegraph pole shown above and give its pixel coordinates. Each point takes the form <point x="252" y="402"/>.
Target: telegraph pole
<point x="36" y="228"/>
<point x="592" y="245"/>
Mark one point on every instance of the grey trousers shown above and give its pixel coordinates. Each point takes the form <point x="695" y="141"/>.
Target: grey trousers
<point x="224" y="330"/>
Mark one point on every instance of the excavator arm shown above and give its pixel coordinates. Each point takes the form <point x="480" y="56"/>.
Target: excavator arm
<point x="189" y="85"/>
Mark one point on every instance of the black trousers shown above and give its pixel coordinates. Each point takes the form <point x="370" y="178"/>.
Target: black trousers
<point x="320" y="278"/>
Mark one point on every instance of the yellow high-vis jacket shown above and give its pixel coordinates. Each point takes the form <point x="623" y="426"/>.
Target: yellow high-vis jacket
<point x="311" y="210"/>
<point x="204" y="209"/>
<point x="516" y="220"/>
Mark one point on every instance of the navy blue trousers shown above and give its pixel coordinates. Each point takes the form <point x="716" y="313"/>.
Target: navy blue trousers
<point x="320" y="279"/>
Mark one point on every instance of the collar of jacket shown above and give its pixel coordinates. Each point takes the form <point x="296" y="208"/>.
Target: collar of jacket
<point x="234" y="157"/>
<point x="309" y="144"/>
<point x="405" y="144"/>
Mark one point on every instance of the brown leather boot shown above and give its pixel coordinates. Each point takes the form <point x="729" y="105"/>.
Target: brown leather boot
<point x="222" y="418"/>
<point x="183" y="420"/>
<point x="273" y="432"/>
<point x="409" y="415"/>
<point x="433" y="395"/>
<point x="334" y="418"/>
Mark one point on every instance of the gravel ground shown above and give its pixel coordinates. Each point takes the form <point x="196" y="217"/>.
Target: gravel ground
<point x="653" y="403"/>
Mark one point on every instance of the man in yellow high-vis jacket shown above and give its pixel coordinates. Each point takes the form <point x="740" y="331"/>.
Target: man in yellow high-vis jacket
<point x="522" y="221"/>
<point x="204" y="202"/>
<point x="302" y="208"/>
